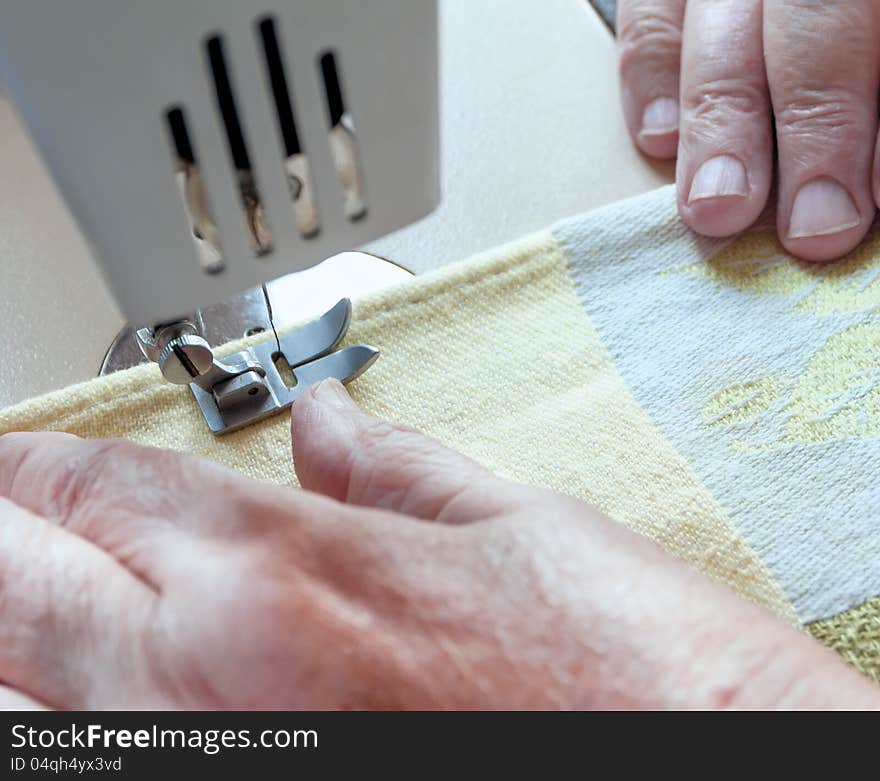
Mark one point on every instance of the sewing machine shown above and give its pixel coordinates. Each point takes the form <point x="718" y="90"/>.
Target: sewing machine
<point x="255" y="142"/>
<point x="173" y="259"/>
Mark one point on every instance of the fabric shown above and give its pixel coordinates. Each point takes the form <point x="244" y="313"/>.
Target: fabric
<point x="762" y="372"/>
<point x="855" y="635"/>
<point x="714" y="396"/>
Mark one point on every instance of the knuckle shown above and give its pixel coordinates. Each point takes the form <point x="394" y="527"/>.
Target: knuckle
<point x="649" y="38"/>
<point x="386" y="438"/>
<point x="820" y="114"/>
<point x="724" y="100"/>
<point x="724" y="109"/>
<point x="77" y="482"/>
<point x="395" y="461"/>
<point x="833" y="14"/>
<point x="386" y="448"/>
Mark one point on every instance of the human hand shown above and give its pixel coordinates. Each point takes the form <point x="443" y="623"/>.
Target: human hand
<point x="707" y="79"/>
<point x="404" y="576"/>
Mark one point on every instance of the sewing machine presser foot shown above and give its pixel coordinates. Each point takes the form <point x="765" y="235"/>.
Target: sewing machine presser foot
<point x="263" y="379"/>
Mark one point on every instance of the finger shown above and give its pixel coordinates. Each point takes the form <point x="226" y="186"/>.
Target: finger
<point x="725" y="159"/>
<point x="155" y="511"/>
<point x="822" y="67"/>
<point x="134" y="502"/>
<point x="69" y="616"/>
<point x="649" y="46"/>
<point x="60" y="476"/>
<point x="342" y="452"/>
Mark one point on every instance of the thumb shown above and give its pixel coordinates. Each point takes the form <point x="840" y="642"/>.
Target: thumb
<point x="344" y="453"/>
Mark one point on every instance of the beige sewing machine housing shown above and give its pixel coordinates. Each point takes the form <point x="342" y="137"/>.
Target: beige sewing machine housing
<point x="506" y="170"/>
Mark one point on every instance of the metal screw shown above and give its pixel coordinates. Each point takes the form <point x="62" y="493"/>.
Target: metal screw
<point x="185" y="358"/>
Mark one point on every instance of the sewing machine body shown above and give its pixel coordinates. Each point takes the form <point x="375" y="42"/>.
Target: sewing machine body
<point x="95" y="81"/>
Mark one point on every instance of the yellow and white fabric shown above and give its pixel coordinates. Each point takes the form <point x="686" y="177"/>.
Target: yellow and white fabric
<point x="716" y="396"/>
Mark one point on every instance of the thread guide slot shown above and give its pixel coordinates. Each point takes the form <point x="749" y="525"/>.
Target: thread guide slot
<point x="295" y="167"/>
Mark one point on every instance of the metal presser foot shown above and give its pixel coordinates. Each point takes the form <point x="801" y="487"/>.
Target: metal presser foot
<point x="259" y="381"/>
<point x="264" y="379"/>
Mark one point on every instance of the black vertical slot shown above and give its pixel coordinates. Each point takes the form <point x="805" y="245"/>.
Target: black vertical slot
<point x="280" y="90"/>
<point x="194" y="197"/>
<point x="295" y="163"/>
<point x="332" y="88"/>
<point x="343" y="139"/>
<point x="180" y="135"/>
<point x="226" y="105"/>
<point x="254" y="213"/>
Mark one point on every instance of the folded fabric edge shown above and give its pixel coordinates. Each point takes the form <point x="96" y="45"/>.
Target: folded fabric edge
<point x="146" y="377"/>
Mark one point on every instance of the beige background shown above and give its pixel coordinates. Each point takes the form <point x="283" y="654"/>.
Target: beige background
<point x="531" y="133"/>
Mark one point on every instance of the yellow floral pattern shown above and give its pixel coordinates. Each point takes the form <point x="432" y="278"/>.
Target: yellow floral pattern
<point x="837" y="395"/>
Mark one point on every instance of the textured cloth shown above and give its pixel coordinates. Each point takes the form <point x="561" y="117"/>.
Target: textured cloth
<point x="855" y="635"/>
<point x="762" y="372"/>
<point x="666" y="379"/>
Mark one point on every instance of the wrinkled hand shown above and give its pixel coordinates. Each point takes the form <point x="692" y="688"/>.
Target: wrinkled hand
<point x="706" y="79"/>
<point x="404" y="576"/>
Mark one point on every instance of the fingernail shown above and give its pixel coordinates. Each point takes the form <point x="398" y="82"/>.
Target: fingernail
<point x="660" y="117"/>
<point x="332" y="392"/>
<point x="821" y="208"/>
<point x="719" y="177"/>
